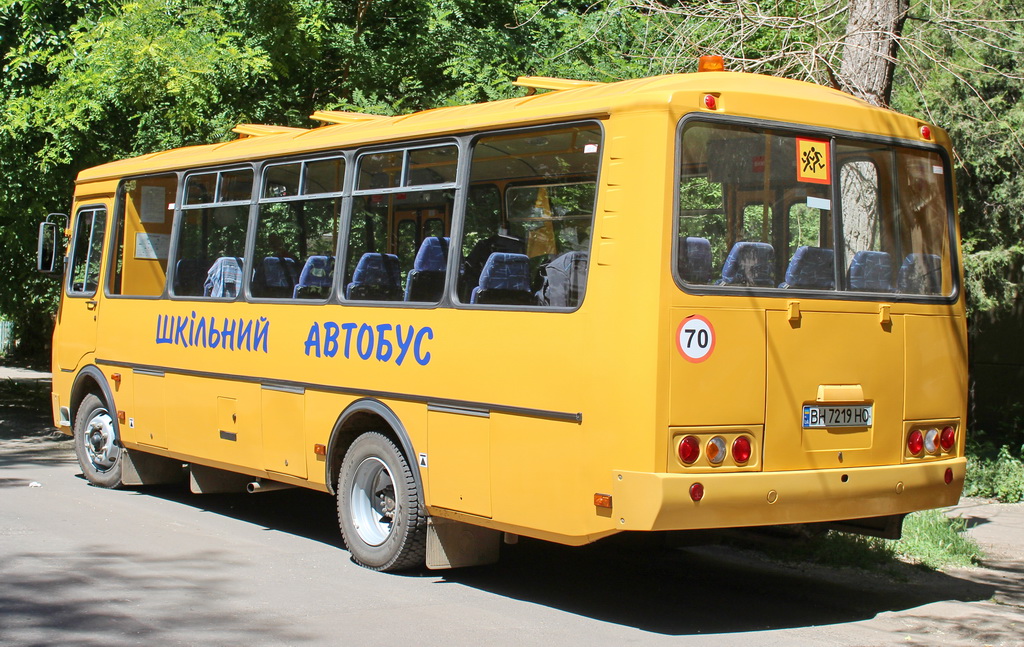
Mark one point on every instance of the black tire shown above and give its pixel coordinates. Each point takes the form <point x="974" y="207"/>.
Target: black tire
<point x="380" y="507"/>
<point x="98" y="443"/>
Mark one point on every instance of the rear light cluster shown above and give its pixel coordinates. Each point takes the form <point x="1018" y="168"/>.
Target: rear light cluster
<point x="715" y="450"/>
<point x="931" y="441"/>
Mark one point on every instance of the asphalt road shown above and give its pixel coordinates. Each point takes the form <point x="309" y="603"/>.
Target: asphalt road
<point x="80" y="565"/>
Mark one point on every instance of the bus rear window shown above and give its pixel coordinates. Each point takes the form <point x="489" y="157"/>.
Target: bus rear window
<point x="774" y="210"/>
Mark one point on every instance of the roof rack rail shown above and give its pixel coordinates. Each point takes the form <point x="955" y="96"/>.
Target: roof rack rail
<point x="343" y="117"/>
<point x="259" y="130"/>
<point x="535" y="83"/>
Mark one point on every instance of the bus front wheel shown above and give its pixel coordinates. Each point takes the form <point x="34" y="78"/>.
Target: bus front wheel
<point x="96" y="443"/>
<point x="380" y="507"/>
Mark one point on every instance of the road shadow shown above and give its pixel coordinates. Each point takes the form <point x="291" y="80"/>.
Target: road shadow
<point x="635" y="581"/>
<point x="27" y="434"/>
<point x="100" y="597"/>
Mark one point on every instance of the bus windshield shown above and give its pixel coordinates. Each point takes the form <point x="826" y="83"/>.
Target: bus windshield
<point x="761" y="208"/>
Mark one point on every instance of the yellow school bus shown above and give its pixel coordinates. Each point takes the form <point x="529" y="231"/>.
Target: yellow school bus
<point x="691" y="301"/>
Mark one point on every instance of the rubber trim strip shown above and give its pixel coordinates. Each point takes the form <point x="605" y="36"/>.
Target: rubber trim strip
<point x="346" y="390"/>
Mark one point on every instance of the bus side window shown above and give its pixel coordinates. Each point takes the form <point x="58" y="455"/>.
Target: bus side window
<point x="296" y="230"/>
<point x="211" y="234"/>
<point x="87" y="251"/>
<point x="143" y="236"/>
<point x="532" y="248"/>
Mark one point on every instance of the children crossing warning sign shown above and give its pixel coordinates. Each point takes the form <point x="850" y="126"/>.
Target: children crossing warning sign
<point x="812" y="161"/>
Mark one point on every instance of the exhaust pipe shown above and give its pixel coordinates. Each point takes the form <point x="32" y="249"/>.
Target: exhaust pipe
<point x="266" y="486"/>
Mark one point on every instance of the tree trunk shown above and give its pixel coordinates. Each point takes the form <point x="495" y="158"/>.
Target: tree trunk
<point x="869" y="51"/>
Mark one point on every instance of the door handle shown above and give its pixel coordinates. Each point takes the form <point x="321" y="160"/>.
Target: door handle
<point x="91" y="304"/>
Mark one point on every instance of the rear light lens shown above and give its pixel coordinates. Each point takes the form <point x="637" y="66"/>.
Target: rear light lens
<point x="689" y="449"/>
<point x="948" y="476"/>
<point x="696" y="491"/>
<point x="741" y="449"/>
<point x="710" y="102"/>
<point x="947" y="438"/>
<point x="716" y="450"/>
<point x="926" y="132"/>
<point x="915" y="442"/>
<point x="931" y="441"/>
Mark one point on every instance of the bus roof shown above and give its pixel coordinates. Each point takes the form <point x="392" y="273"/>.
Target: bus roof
<point x="739" y="94"/>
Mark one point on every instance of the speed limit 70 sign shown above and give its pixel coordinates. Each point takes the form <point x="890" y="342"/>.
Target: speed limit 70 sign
<point x="695" y="338"/>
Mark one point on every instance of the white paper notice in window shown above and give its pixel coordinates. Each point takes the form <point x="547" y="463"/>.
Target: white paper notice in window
<point x="154" y="203"/>
<point x="152" y="246"/>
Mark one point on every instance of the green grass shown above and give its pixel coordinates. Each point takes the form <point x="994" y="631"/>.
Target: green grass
<point x="1000" y="478"/>
<point x="930" y="539"/>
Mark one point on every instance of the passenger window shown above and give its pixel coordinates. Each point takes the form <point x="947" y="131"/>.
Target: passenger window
<point x="145" y="213"/>
<point x="296" y="231"/>
<point x="532" y="248"/>
<point x="211" y="235"/>
<point x="87" y="251"/>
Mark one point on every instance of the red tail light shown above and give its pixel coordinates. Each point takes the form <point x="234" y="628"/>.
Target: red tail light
<point x="948" y="476"/>
<point x="696" y="491"/>
<point x="947" y="439"/>
<point x="915" y="442"/>
<point x="689" y="449"/>
<point x="741" y="449"/>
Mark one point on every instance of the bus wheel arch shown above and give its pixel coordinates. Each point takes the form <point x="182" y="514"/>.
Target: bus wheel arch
<point x="97" y="436"/>
<point x="381" y="507"/>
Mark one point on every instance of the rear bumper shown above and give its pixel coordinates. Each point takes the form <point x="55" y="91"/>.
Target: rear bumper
<point x="658" y="501"/>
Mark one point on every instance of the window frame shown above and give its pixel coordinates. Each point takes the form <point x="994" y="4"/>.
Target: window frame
<point x="102" y="270"/>
<point x="832" y="134"/>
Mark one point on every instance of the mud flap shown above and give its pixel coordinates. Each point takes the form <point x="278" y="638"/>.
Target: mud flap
<point x="453" y="544"/>
<point x="141" y="468"/>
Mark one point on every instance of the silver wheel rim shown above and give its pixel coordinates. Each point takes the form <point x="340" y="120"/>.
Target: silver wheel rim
<point x="100" y="441"/>
<point x="372" y="501"/>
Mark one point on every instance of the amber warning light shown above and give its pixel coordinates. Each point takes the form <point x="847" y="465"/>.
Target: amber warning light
<point x="711" y="64"/>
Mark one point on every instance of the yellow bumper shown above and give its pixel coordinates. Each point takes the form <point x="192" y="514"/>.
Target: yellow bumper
<point x="657" y="501"/>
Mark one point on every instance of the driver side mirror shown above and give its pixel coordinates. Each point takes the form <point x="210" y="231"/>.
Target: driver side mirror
<point x="50" y="251"/>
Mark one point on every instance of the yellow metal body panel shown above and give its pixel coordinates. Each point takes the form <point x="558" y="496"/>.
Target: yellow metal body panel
<point x="578" y="403"/>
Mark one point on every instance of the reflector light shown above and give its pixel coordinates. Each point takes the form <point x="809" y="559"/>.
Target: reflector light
<point x="711" y="64"/>
<point x="931" y="441"/>
<point x="320" y="450"/>
<point x="915" y="442"/>
<point x="948" y="476"/>
<point x="710" y="102"/>
<point x="741" y="449"/>
<point x="689" y="449"/>
<point x="696" y="491"/>
<point x="947" y="438"/>
<point x="926" y="132"/>
<point x="716" y="450"/>
<point x="602" y="500"/>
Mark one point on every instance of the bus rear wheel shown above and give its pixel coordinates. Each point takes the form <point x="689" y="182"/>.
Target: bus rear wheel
<point x="96" y="443"/>
<point x="380" y="507"/>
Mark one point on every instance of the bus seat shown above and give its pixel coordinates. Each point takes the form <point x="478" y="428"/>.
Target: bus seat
<point x="224" y="277"/>
<point x="315" y="279"/>
<point x="275" y="277"/>
<point x="473" y="264"/>
<point x="505" y="279"/>
<point x="189" y="274"/>
<point x="425" y="281"/>
<point x="812" y="268"/>
<point x="871" y="272"/>
<point x="376" y="278"/>
<point x="564" y="278"/>
<point x="920" y="274"/>
<point x="751" y="264"/>
<point x="695" y="259"/>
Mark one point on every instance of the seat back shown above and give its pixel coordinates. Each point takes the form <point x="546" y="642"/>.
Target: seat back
<point x="695" y="260"/>
<point x="920" y="274"/>
<point x="505" y="279"/>
<point x="224" y="278"/>
<point x="425" y="281"/>
<point x="811" y="268"/>
<point x="189" y="274"/>
<point x="315" y="279"/>
<point x="870" y="272"/>
<point x="376" y="278"/>
<point x="563" y="280"/>
<point x="751" y="264"/>
<point x="275" y="277"/>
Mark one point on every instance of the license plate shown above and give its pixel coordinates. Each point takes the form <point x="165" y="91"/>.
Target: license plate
<point x="821" y="416"/>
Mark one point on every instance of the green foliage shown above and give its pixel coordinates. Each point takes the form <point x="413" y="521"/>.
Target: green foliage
<point x="935" y="540"/>
<point x="1001" y="477"/>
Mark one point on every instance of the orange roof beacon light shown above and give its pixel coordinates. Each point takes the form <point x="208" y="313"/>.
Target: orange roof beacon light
<point x="711" y="64"/>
